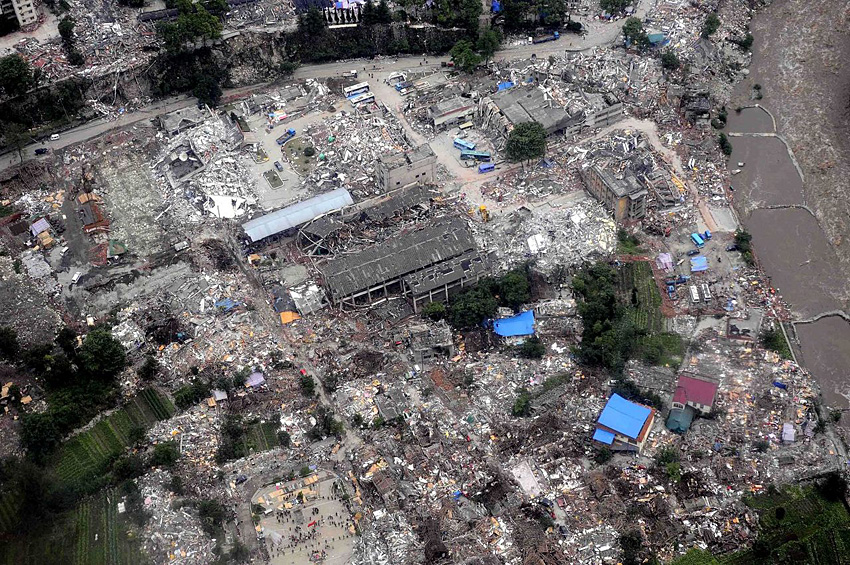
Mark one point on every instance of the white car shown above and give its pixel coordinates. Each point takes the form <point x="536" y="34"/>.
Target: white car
<point x="54" y="137"/>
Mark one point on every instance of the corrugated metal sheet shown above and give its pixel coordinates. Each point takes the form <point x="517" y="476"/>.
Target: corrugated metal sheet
<point x="624" y="417"/>
<point x="297" y="214"/>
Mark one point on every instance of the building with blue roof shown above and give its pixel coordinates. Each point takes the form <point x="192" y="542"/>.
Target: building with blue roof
<point x="624" y="425"/>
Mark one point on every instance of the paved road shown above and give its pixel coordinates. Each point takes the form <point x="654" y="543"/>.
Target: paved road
<point x="599" y="33"/>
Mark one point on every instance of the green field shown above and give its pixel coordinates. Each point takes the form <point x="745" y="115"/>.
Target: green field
<point x="260" y="437"/>
<point x="812" y="531"/>
<point x="646" y="314"/>
<point x="88" y="453"/>
<point x="71" y="538"/>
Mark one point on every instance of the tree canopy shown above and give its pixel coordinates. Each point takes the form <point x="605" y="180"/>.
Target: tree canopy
<point x="488" y="42"/>
<point x="15" y="75"/>
<point x="102" y="356"/>
<point x="464" y="56"/>
<point x="526" y="141"/>
<point x="633" y="31"/>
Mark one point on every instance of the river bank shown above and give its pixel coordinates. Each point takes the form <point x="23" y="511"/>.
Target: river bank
<point x="800" y="219"/>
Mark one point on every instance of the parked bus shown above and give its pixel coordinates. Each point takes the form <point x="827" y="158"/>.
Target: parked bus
<point x="474" y="156"/>
<point x="362" y="99"/>
<point x="465" y="126"/>
<point x="698" y="241"/>
<point x="355" y="89"/>
<point x="464" y="145"/>
<point x="706" y="294"/>
<point x="486" y="167"/>
<point x="694" y="293"/>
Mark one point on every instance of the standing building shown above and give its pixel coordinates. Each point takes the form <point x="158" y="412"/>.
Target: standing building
<point x="624" y="197"/>
<point x="417" y="166"/>
<point x="453" y="111"/>
<point x="624" y="425"/>
<point x="696" y="392"/>
<point x="21" y="10"/>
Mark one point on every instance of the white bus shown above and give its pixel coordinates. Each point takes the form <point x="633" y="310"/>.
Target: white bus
<point x="694" y="293"/>
<point x="355" y="89"/>
<point x="362" y="99"/>
<point x="706" y="294"/>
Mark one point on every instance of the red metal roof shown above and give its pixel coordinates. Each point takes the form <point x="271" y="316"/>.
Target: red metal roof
<point x="691" y="389"/>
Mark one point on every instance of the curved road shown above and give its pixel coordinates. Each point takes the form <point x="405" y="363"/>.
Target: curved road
<point x="599" y="34"/>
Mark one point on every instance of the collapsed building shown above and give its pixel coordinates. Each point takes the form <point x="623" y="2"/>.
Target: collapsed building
<point x="506" y="109"/>
<point x="624" y="196"/>
<point x="424" y="265"/>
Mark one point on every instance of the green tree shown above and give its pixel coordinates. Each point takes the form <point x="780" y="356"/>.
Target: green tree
<point x="725" y="144"/>
<point x="75" y="57"/>
<point x="633" y="31"/>
<point x="367" y="15"/>
<point x="472" y="307"/>
<point x="669" y="61"/>
<point x="128" y="467"/>
<point x="102" y="356"/>
<point x="8" y="343"/>
<point x="514" y="289"/>
<point x="464" y="57"/>
<point x="15" y="75"/>
<point x="525" y="142"/>
<point x="39" y="434"/>
<point x="217" y="7"/>
<point x="308" y="385"/>
<point x="614" y="6"/>
<point x="712" y="22"/>
<point x="522" y="404"/>
<point x="165" y="454"/>
<point x="16" y="137"/>
<point x="311" y="23"/>
<point x="383" y="15"/>
<point x="207" y="90"/>
<point x="284" y="439"/>
<point x="66" y="29"/>
<point x="211" y="513"/>
<point x="487" y="44"/>
<point x="631" y="543"/>
<point x="532" y="348"/>
<point x="149" y="368"/>
<point x="434" y="310"/>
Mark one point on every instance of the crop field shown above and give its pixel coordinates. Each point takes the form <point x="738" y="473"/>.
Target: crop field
<point x="89" y="452"/>
<point x="93" y="533"/>
<point x="261" y="437"/>
<point x="9" y="504"/>
<point x="796" y="525"/>
<point x="646" y="313"/>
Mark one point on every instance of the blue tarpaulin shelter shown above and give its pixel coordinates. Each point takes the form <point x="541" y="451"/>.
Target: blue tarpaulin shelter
<point x="521" y="324"/>
<point x="504" y="86"/>
<point x="699" y="263"/>
<point x="624" y="417"/>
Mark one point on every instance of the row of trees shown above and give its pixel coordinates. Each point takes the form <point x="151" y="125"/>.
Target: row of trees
<point x="195" y="21"/>
<point x="467" y="55"/>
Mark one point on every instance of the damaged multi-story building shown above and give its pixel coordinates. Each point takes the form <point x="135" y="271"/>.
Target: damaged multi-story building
<point x="426" y="265"/>
<point x="22" y="11"/>
<point x="623" y="195"/>
<point x="417" y="166"/>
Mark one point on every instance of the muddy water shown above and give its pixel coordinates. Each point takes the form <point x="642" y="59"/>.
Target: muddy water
<point x="792" y="248"/>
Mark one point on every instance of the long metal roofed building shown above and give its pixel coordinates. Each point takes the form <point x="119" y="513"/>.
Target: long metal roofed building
<point x="424" y="265"/>
<point x="297" y="214"/>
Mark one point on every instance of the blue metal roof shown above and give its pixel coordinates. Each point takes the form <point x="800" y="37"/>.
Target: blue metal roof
<point x="624" y="417"/>
<point x="521" y="324"/>
<point x="604" y="436"/>
<point x="297" y="214"/>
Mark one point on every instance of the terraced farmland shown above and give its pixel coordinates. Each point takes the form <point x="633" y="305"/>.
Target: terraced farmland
<point x="88" y="453"/>
<point x="647" y="313"/>
<point x="92" y="534"/>
<point x="261" y="437"/>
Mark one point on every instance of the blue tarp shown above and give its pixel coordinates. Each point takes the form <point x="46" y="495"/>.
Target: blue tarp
<point x="227" y="304"/>
<point x="624" y="417"/>
<point x="604" y="436"/>
<point x="699" y="263"/>
<point x="679" y="421"/>
<point x="505" y="86"/>
<point x="496" y="7"/>
<point x="521" y="324"/>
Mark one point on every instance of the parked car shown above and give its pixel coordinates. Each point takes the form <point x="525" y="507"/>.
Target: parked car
<point x="278" y="166"/>
<point x="42" y="151"/>
<point x="732" y="247"/>
<point x="693" y="252"/>
<point x="54" y="137"/>
<point x="241" y="479"/>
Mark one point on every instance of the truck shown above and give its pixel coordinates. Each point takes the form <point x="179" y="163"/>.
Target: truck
<point x="352" y="73"/>
<point x="681" y="279"/>
<point x="544" y="38"/>
<point x="707" y="235"/>
<point x="290" y="133"/>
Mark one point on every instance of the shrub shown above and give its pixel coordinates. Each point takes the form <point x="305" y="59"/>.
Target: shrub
<point x="603" y="455"/>
<point x="309" y="151"/>
<point x="725" y="144"/>
<point x="532" y="348"/>
<point x="522" y="404"/>
<point x="165" y="454"/>
<point x="434" y="310"/>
